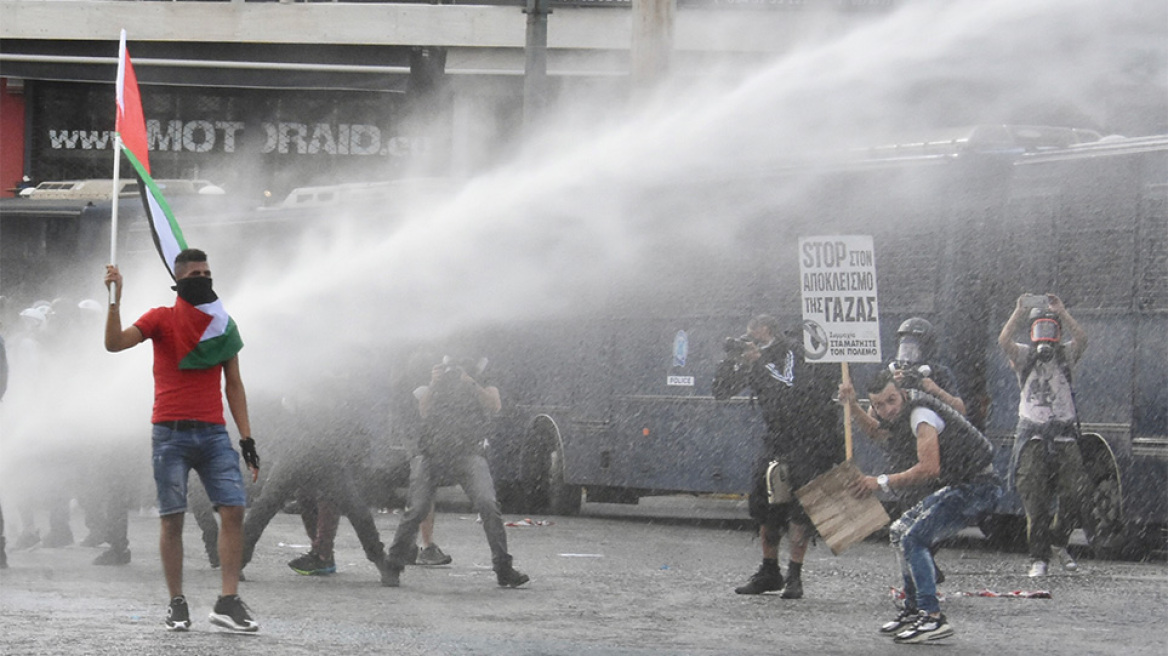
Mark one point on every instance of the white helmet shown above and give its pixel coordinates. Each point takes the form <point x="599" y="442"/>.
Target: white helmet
<point x="33" y="316"/>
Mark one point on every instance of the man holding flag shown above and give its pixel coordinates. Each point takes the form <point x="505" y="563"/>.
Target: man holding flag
<point x="190" y="432"/>
<point x="195" y="345"/>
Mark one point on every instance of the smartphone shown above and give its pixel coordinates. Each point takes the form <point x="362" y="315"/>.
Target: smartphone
<point x="1032" y="301"/>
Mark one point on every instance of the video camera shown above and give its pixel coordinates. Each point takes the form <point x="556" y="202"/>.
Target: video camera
<point x="454" y="368"/>
<point x="912" y="374"/>
<point x="736" y="346"/>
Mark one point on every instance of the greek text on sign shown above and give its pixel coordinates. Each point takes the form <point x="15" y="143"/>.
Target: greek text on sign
<point x="841" y="314"/>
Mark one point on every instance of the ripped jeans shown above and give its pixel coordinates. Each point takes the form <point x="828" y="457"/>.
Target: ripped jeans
<point x="938" y="516"/>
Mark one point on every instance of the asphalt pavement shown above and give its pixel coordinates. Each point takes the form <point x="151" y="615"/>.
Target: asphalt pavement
<point x="618" y="580"/>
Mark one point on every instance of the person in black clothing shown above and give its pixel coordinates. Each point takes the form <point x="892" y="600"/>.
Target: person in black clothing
<point x="457" y="407"/>
<point x="802" y="425"/>
<point x="325" y="445"/>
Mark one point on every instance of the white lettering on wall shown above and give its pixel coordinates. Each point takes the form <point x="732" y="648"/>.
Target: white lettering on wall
<point x="199" y="136"/>
<point x="283" y="137"/>
<point x="156" y="139"/>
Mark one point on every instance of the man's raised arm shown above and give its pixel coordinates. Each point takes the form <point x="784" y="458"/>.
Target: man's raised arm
<point x="117" y="339"/>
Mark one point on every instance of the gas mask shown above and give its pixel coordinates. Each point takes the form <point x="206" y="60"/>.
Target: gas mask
<point x="908" y="352"/>
<point x="1044" y="335"/>
<point x="909" y="355"/>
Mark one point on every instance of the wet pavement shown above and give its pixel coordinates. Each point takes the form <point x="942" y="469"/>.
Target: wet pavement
<point x="621" y="580"/>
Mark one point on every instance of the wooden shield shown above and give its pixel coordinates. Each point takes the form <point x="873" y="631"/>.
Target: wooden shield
<point x="840" y="517"/>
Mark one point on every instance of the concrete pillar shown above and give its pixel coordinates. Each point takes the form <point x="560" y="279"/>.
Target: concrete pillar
<point x="652" y="42"/>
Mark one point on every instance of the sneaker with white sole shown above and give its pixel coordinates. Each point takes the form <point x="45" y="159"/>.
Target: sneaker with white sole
<point x="231" y="613"/>
<point x="926" y="629"/>
<point x="904" y="620"/>
<point x="178" y="614"/>
<point x="1067" y="559"/>
<point x="1037" y="569"/>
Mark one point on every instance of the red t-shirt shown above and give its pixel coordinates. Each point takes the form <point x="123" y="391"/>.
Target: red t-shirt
<point x="179" y="393"/>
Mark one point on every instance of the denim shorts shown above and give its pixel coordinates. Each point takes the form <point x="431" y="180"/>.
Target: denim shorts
<point x="208" y="451"/>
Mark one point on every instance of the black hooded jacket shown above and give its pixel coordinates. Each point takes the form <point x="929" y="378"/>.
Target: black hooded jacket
<point x="803" y="424"/>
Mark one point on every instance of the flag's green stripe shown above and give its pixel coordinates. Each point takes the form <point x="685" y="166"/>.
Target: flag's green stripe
<point x="157" y="194"/>
<point x="216" y="350"/>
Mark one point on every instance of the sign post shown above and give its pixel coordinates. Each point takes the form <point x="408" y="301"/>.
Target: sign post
<point x="841" y="314"/>
<point x="841" y="323"/>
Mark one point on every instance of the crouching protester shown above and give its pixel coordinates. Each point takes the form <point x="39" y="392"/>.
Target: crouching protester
<point x="951" y="452"/>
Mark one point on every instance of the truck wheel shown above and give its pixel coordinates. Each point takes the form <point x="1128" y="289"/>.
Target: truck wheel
<point x="1103" y="520"/>
<point x="562" y="499"/>
<point x="547" y="492"/>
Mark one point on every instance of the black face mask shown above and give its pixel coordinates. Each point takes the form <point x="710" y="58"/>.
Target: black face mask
<point x="195" y="290"/>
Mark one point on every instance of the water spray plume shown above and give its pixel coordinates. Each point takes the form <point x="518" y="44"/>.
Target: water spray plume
<point x="584" y="215"/>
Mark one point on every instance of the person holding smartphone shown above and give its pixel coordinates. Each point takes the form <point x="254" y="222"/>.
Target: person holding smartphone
<point x="1046" y="465"/>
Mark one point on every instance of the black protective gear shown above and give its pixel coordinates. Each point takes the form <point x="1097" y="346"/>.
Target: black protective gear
<point x="1045" y="333"/>
<point x="925" y="335"/>
<point x="247" y="446"/>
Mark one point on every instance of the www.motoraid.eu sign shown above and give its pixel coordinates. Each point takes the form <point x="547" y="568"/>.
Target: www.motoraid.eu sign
<point x="841" y="314"/>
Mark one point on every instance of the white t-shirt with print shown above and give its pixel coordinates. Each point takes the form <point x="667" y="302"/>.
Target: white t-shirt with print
<point x="1046" y="393"/>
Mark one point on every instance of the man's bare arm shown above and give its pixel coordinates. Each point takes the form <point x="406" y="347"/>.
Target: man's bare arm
<point x="930" y="386"/>
<point x="237" y="403"/>
<point x="117" y="339"/>
<point x="1078" y="335"/>
<point x="866" y="420"/>
<point x="1006" y="337"/>
<point x="236" y="396"/>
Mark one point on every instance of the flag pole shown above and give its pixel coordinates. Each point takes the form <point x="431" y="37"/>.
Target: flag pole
<point x="113" y="290"/>
<point x="114" y="213"/>
<point x="847" y="378"/>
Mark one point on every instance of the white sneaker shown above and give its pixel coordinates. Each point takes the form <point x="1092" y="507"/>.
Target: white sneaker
<point x="1067" y="560"/>
<point x="1037" y="569"/>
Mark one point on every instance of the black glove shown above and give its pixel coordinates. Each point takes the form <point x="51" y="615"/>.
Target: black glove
<point x="247" y="445"/>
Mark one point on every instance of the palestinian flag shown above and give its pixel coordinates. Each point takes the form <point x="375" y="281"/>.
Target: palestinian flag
<point x="131" y="128"/>
<point x="204" y="332"/>
<point x="208" y="335"/>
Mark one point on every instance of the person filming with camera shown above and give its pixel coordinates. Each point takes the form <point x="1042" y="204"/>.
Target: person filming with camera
<point x="801" y="442"/>
<point x="917" y="365"/>
<point x="1045" y="464"/>
<point x="457" y="407"/>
